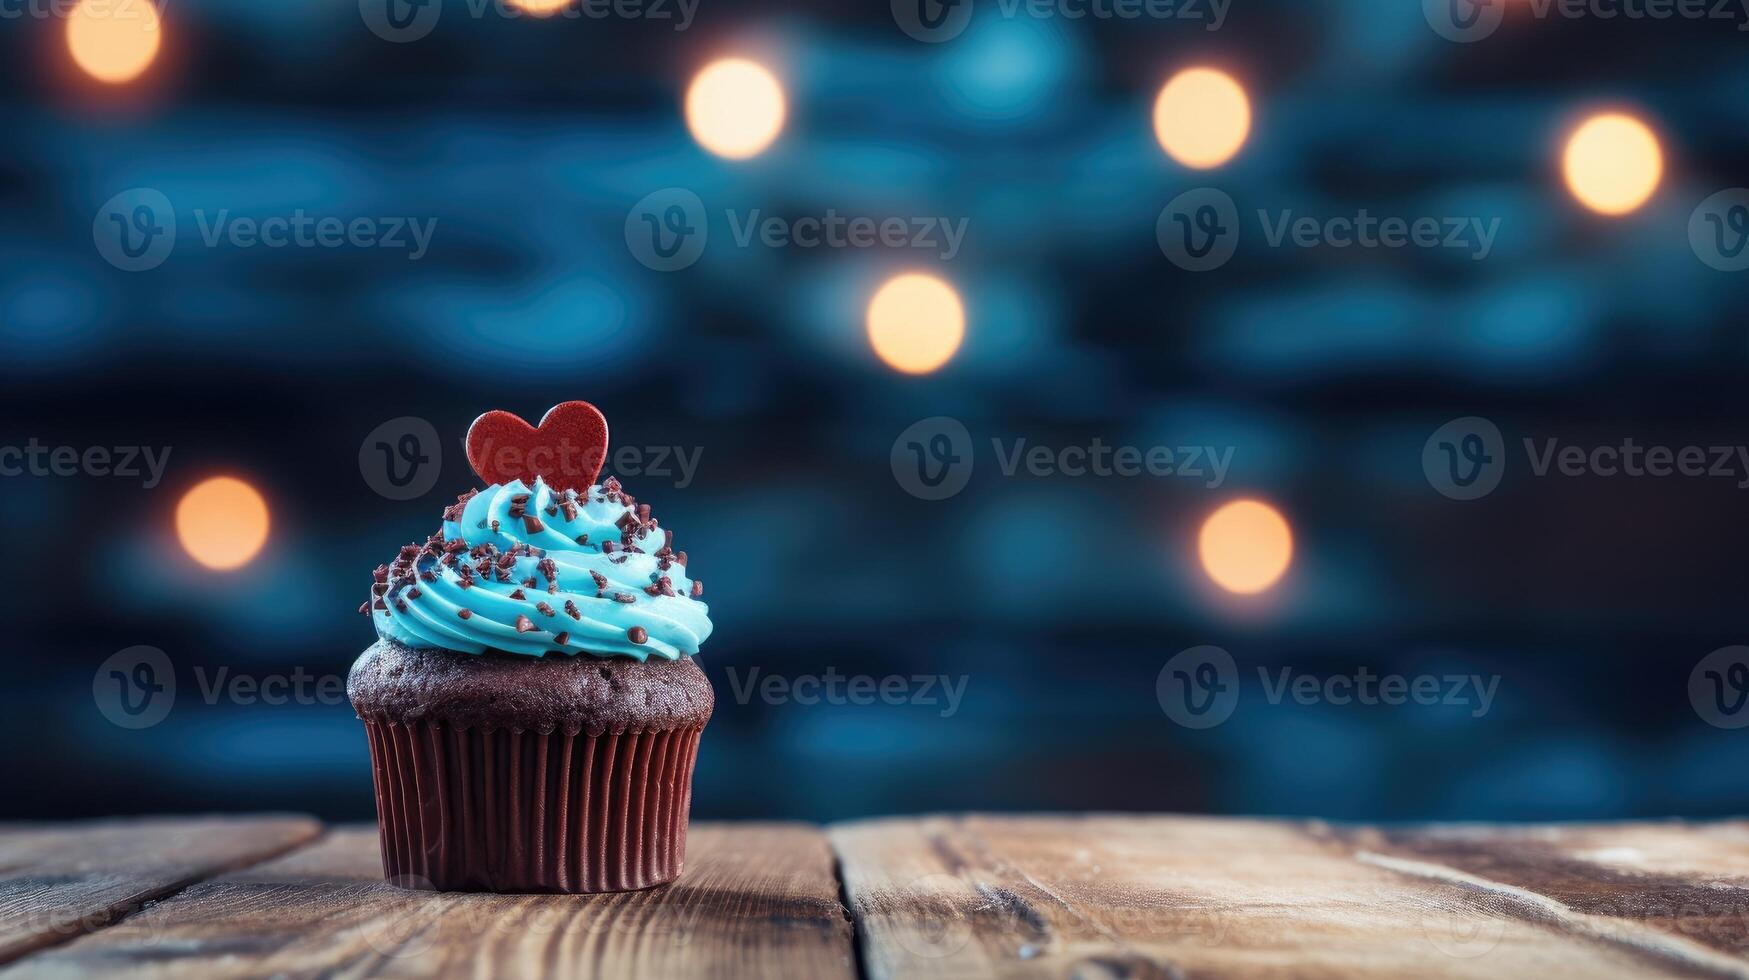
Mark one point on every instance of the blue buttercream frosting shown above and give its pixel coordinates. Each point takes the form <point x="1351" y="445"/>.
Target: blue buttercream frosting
<point x="531" y="570"/>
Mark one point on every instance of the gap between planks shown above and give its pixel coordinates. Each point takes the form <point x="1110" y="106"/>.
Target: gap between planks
<point x="95" y="875"/>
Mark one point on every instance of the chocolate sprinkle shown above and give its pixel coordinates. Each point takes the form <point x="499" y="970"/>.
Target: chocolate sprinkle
<point x="545" y="610"/>
<point x="637" y="634"/>
<point x="532" y="524"/>
<point x="562" y="639"/>
<point x="525" y="625"/>
<point x="572" y="611"/>
<point x="624" y="597"/>
<point x="697" y="588"/>
<point x="519" y="594"/>
<point x="465" y="613"/>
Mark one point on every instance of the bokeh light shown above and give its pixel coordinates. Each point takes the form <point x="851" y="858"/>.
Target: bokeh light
<point x="1613" y="163"/>
<point x="735" y="108"/>
<point x="1245" y="546"/>
<point x="540" y="8"/>
<point x="114" y="40"/>
<point x="222" y="522"/>
<point x="916" y="322"/>
<point x="1202" y="117"/>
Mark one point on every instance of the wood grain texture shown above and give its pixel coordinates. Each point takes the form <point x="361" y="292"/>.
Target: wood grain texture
<point x="61" y="881"/>
<point x="1115" y="896"/>
<point x="755" y="900"/>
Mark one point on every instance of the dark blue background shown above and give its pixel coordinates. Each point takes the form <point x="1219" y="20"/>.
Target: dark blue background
<point x="1059" y="599"/>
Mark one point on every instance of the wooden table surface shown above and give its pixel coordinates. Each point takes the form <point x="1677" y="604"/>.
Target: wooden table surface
<point x="1094" y="896"/>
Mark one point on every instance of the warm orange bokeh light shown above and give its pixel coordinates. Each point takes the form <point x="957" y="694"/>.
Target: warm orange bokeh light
<point x="540" y="8"/>
<point x="916" y="323"/>
<point x="735" y="108"/>
<point x="1613" y="163"/>
<point x="1202" y="117"/>
<point x="1246" y="546"/>
<point x="114" y="40"/>
<point x="222" y="522"/>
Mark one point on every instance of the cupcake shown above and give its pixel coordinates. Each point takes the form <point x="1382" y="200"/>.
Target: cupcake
<point x="531" y="702"/>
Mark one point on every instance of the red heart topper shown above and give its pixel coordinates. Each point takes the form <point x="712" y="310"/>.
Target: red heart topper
<point x="566" y="450"/>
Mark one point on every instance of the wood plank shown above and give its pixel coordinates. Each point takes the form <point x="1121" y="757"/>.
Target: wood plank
<point x="756" y="900"/>
<point x="1680" y="879"/>
<point x="1098" y="896"/>
<point x="58" y="882"/>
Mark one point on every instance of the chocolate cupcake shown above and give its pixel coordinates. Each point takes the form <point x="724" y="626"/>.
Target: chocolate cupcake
<point x="531" y="703"/>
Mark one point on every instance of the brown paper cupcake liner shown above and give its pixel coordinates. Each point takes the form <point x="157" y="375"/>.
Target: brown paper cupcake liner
<point x="515" y="811"/>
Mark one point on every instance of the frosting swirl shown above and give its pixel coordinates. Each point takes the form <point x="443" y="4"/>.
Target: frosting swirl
<point x="532" y="570"/>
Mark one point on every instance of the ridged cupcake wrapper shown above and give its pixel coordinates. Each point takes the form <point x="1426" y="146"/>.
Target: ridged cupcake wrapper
<point x="509" y="811"/>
